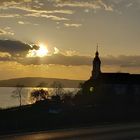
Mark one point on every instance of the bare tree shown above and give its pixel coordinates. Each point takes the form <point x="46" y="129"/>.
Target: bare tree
<point x="18" y="93"/>
<point x="57" y="88"/>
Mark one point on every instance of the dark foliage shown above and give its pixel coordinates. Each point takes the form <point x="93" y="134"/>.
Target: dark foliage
<point x="38" y="95"/>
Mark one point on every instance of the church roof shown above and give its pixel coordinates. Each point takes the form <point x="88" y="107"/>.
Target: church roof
<point x="115" y="78"/>
<point x="119" y="78"/>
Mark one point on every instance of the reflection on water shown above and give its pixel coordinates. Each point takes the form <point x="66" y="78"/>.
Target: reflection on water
<point x="7" y="98"/>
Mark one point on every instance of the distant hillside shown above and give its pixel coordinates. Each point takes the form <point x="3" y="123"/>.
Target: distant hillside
<point x="38" y="81"/>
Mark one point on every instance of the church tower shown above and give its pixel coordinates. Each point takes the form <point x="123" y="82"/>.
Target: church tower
<point x="96" y="65"/>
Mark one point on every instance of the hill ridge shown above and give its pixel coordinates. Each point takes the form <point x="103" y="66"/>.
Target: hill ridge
<point x="38" y="82"/>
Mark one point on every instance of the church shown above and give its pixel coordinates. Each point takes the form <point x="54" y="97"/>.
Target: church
<point x="118" y="85"/>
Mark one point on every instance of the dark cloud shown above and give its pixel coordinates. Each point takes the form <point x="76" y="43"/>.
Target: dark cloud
<point x="58" y="59"/>
<point x="122" y="60"/>
<point x="6" y="58"/>
<point x="15" y="48"/>
<point x="19" y="50"/>
<point x="75" y="60"/>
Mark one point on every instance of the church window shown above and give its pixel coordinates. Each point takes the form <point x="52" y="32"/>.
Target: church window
<point x="91" y="89"/>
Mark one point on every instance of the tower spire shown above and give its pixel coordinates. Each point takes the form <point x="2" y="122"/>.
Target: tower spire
<point x="97" y="53"/>
<point x="96" y="64"/>
<point x="97" y="48"/>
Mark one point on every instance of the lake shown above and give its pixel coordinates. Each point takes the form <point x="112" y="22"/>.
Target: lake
<point x="8" y="98"/>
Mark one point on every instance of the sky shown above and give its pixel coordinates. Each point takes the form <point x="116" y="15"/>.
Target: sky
<point x="58" y="38"/>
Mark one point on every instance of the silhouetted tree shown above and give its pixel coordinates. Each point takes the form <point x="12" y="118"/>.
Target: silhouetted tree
<point x="39" y="94"/>
<point x="80" y="85"/>
<point x="67" y="98"/>
<point x="18" y="93"/>
<point x="56" y="98"/>
<point x="57" y="88"/>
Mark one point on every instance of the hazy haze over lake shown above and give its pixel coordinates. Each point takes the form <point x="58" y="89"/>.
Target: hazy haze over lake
<point x="7" y="98"/>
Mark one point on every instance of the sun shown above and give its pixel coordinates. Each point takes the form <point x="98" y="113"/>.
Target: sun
<point x="40" y="52"/>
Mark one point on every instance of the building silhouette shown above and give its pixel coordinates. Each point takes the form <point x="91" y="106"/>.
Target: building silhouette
<point x="123" y="87"/>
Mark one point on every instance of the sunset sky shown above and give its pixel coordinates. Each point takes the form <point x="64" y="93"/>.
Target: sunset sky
<point x="58" y="38"/>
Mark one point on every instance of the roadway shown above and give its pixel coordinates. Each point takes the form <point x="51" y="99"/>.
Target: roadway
<point x="130" y="131"/>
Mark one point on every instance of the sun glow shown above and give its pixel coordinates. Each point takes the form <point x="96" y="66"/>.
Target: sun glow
<point x="41" y="52"/>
